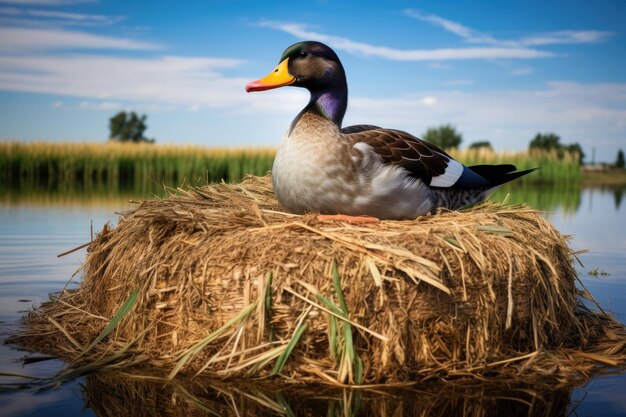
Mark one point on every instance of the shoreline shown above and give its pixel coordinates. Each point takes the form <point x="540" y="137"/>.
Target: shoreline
<point x="611" y="178"/>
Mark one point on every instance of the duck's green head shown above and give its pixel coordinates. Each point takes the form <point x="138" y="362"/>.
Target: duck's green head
<point x="309" y="64"/>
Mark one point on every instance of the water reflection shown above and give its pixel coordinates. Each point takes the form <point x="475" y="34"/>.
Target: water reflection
<point x="555" y="198"/>
<point x="111" y="395"/>
<point x="77" y="194"/>
<point x="543" y="197"/>
<point x="618" y="193"/>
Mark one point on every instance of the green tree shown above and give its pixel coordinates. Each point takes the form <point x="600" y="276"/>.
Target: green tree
<point x="444" y="136"/>
<point x="128" y="127"/>
<point x="481" y="144"/>
<point x="548" y="141"/>
<point x="552" y="142"/>
<point x="619" y="162"/>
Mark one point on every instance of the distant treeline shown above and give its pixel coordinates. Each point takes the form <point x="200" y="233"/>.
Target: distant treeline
<point x="129" y="165"/>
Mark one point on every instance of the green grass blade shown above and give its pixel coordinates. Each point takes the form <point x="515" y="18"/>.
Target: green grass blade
<point x="268" y="304"/>
<point x="280" y="398"/>
<point x="192" y="351"/>
<point x="121" y="313"/>
<point x="337" y="285"/>
<point x="329" y="305"/>
<point x="282" y="359"/>
<point x="358" y="370"/>
<point x="494" y="228"/>
<point x="349" y="346"/>
<point x="268" y="292"/>
<point x="452" y="241"/>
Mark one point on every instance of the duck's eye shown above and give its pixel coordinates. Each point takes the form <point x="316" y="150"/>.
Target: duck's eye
<point x="303" y="54"/>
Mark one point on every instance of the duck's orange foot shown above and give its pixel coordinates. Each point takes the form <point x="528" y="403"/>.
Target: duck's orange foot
<point x="346" y="218"/>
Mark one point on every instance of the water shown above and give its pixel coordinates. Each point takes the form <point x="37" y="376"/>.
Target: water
<point x="35" y="228"/>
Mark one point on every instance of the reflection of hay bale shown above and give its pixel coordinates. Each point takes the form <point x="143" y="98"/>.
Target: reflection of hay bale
<point x="114" y="395"/>
<point x="225" y="281"/>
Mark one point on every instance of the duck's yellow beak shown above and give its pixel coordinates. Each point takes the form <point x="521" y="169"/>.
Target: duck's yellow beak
<point x="277" y="78"/>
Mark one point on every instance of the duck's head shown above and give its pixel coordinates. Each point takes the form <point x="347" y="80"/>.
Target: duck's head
<point x="310" y="64"/>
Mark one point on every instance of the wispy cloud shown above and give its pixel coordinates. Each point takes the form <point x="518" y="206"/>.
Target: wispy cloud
<point x="468" y="34"/>
<point x="47" y="2"/>
<point x="31" y="17"/>
<point x="521" y="71"/>
<point x="474" y="36"/>
<point x="566" y="37"/>
<point x="169" y="79"/>
<point x="354" y="47"/>
<point x="22" y="39"/>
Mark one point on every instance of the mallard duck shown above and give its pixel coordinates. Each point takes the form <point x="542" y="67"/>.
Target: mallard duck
<point x="361" y="170"/>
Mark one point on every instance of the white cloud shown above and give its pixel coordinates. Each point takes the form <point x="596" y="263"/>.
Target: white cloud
<point x="474" y="36"/>
<point x="78" y="17"/>
<point x="566" y="37"/>
<point x="32" y="39"/>
<point x="468" y="34"/>
<point x="361" y="48"/>
<point x="168" y="79"/>
<point x="65" y="16"/>
<point x="429" y="101"/>
<point x="57" y="104"/>
<point x="521" y="71"/>
<point x="103" y="105"/>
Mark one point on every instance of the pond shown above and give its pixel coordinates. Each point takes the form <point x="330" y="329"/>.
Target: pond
<point x="36" y="227"/>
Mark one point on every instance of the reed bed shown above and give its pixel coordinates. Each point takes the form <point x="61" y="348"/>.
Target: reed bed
<point x="554" y="167"/>
<point x="115" y="163"/>
<point x="118" y="165"/>
<point x="218" y="282"/>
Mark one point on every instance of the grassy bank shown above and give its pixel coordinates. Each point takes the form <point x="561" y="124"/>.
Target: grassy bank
<point x="609" y="178"/>
<point x="140" y="166"/>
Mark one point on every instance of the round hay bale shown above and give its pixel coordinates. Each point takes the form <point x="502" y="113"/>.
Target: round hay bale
<point x="218" y="281"/>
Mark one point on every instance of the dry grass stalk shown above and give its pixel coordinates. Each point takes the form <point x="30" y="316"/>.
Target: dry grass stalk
<point x="228" y="286"/>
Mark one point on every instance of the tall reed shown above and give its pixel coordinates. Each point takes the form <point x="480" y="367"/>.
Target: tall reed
<point x="553" y="167"/>
<point x="144" y="166"/>
<point x="137" y="165"/>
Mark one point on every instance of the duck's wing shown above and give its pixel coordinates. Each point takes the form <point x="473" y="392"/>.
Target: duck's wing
<point x="358" y="128"/>
<point x="421" y="160"/>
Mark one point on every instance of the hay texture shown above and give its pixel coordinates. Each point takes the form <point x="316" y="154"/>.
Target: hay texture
<point x="217" y="281"/>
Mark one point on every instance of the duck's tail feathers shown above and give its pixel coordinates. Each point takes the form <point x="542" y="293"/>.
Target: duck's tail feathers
<point x="499" y="174"/>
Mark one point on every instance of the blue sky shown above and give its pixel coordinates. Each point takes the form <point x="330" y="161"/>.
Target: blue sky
<point x="498" y="71"/>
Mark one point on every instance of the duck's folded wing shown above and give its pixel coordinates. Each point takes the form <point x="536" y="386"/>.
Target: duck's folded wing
<point x="358" y="128"/>
<point x="421" y="159"/>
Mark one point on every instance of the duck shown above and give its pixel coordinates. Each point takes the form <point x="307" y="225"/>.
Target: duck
<point x="361" y="171"/>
